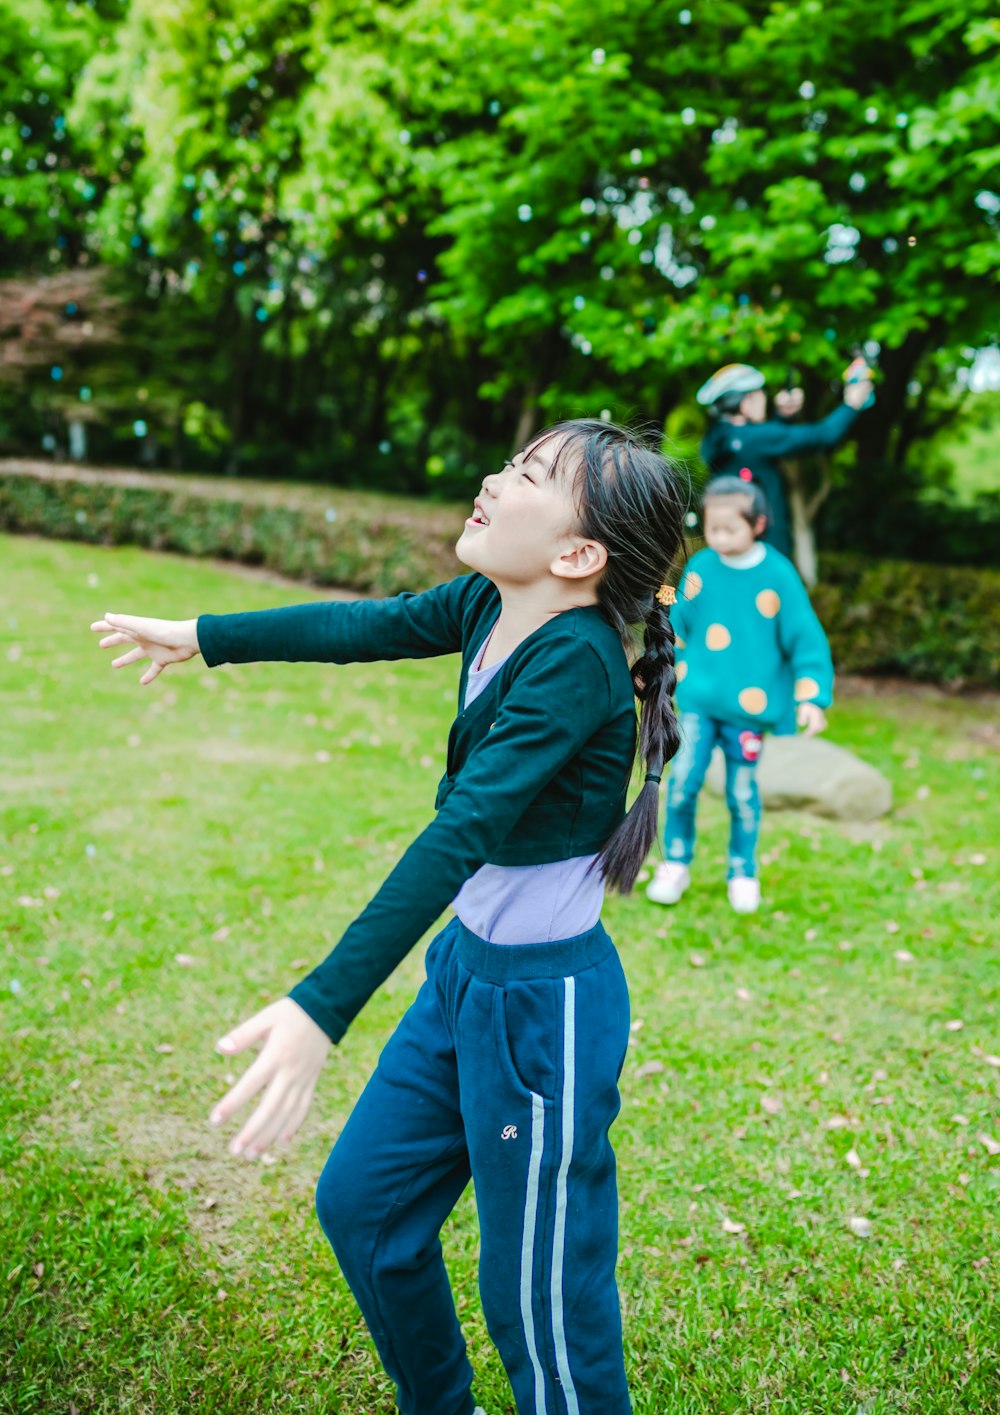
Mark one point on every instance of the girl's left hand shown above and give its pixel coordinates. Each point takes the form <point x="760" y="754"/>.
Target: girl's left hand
<point x="812" y="719"/>
<point x="856" y="395"/>
<point x="163" y="641"/>
<point x="287" y="1069"/>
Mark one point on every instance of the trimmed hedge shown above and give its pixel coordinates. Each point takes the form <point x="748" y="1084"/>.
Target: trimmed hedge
<point x="374" y="552"/>
<point x="940" y="623"/>
<point x="932" y="622"/>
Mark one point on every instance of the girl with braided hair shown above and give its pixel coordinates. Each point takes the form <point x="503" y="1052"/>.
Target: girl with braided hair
<point x="505" y="1067"/>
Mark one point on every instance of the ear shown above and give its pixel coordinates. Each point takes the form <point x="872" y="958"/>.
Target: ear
<point x="587" y="557"/>
<point x="760" y="526"/>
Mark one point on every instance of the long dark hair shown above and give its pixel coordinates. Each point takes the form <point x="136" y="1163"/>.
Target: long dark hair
<point x="632" y="500"/>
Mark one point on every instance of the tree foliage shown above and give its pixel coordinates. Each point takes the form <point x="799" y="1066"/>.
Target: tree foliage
<point x="380" y="242"/>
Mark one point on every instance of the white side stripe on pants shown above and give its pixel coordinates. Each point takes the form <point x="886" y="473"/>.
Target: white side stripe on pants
<point x="559" y="1233"/>
<point x="528" y="1246"/>
<point x="559" y="1237"/>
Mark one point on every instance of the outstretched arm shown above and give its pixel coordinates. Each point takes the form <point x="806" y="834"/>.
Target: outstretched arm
<point x="784" y="439"/>
<point x="327" y="631"/>
<point x="529" y="743"/>
<point x="353" y="631"/>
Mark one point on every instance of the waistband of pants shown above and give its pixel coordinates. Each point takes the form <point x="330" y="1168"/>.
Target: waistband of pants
<point x="520" y="962"/>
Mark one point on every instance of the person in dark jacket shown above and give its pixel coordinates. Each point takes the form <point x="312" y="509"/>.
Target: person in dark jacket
<point x="743" y="441"/>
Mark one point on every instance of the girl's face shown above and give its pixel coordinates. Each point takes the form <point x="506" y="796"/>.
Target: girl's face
<point x="524" y="525"/>
<point x="727" y="529"/>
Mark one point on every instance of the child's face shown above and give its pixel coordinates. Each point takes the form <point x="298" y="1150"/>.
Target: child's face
<point x="727" y="529"/>
<point x="524" y="521"/>
<point x="754" y="406"/>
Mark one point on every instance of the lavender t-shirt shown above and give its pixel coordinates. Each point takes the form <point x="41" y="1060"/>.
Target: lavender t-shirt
<point x="513" y="904"/>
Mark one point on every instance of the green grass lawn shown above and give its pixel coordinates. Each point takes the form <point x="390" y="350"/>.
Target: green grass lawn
<point x="171" y="857"/>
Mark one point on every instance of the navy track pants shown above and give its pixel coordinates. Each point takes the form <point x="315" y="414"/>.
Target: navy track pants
<point x="505" y="1068"/>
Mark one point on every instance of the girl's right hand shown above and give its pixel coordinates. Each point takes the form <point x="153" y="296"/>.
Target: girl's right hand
<point x="163" y="641"/>
<point x="293" y="1050"/>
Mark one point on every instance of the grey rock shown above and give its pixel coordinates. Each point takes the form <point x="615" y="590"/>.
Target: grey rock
<point x="811" y="774"/>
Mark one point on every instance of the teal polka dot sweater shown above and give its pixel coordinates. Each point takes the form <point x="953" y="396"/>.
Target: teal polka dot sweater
<point x="748" y="641"/>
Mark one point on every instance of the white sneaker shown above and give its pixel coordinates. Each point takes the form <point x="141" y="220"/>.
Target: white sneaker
<point x="744" y="895"/>
<point x="668" y="883"/>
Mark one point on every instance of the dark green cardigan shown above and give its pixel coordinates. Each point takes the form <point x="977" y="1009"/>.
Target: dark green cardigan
<point x="538" y="764"/>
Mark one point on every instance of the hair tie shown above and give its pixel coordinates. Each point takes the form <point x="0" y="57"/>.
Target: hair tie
<point x="652" y="776"/>
<point x="666" y="595"/>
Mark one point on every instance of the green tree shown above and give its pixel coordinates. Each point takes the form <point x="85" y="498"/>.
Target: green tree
<point x="54" y="311"/>
<point x="424" y="227"/>
<point x="781" y="184"/>
<point x="265" y="200"/>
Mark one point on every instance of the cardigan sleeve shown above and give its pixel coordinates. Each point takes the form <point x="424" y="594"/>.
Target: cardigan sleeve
<point x="353" y="631"/>
<point x="786" y="439"/>
<point x="804" y="644"/>
<point x="683" y="609"/>
<point x="559" y="698"/>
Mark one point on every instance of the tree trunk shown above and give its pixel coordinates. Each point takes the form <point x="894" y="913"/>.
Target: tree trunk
<point x="177" y="443"/>
<point x="804" y="508"/>
<point x="878" y="431"/>
<point x="803" y="530"/>
<point x="527" y="420"/>
<point x="77" y="439"/>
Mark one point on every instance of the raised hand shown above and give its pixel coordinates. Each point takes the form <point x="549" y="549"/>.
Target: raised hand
<point x="162" y="641"/>
<point x="856" y="395"/>
<point x="287" y="1069"/>
<point x="789" y="402"/>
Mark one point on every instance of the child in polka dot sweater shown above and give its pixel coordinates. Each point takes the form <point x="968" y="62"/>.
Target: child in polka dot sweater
<point x="748" y="644"/>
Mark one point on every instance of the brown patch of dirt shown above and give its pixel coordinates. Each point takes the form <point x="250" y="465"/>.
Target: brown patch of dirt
<point x="271" y="577"/>
<point x="221" y="749"/>
<point x="857" y="685"/>
<point x="176" y="1152"/>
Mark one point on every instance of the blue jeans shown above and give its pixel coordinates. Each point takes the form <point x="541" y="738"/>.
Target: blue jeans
<point x="741" y="748"/>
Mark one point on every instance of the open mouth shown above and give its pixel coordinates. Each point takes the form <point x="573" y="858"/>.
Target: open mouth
<point x="478" y="517"/>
